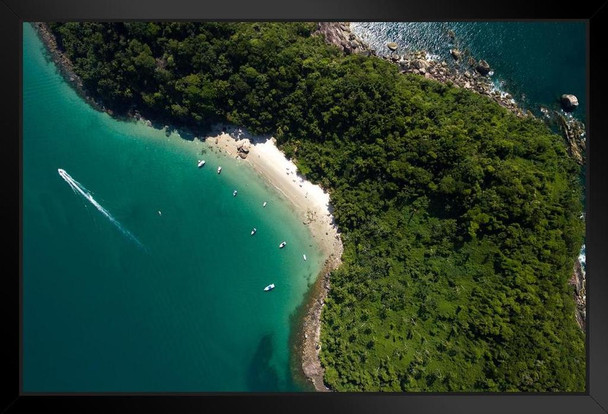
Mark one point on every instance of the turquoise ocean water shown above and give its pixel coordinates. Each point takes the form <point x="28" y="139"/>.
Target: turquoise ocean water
<point x="185" y="311"/>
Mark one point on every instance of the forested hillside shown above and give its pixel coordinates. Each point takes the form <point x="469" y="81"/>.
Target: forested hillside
<point x="460" y="221"/>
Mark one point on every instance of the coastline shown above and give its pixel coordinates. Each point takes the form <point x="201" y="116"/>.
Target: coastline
<point x="468" y="73"/>
<point x="310" y="201"/>
<point x="268" y="161"/>
<point x="312" y="205"/>
<point x="64" y="65"/>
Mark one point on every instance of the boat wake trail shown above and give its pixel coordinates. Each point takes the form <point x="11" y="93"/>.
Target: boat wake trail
<point x="80" y="189"/>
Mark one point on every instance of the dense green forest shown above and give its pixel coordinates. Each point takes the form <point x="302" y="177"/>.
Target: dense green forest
<point x="460" y="221"/>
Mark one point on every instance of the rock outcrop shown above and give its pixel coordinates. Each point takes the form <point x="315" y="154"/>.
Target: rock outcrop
<point x="463" y="74"/>
<point x="483" y="67"/>
<point x="574" y="133"/>
<point x="339" y="34"/>
<point x="569" y="102"/>
<point x="243" y="146"/>
<point x="579" y="281"/>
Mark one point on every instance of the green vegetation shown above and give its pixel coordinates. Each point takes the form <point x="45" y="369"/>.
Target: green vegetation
<point x="459" y="220"/>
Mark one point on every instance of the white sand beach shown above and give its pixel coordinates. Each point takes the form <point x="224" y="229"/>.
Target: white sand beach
<point x="312" y="204"/>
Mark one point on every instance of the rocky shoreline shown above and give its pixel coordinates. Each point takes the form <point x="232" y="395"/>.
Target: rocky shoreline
<point x="309" y="332"/>
<point x="471" y="75"/>
<point x="64" y="65"/>
<point x="339" y="34"/>
<point x="579" y="282"/>
<point x="468" y="73"/>
<point x="463" y="72"/>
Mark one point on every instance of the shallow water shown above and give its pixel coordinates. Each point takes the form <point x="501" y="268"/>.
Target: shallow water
<point x="187" y="311"/>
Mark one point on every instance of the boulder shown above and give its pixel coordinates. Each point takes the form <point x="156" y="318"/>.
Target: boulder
<point x="456" y="54"/>
<point x="420" y="54"/>
<point x="243" y="146"/>
<point x="242" y="143"/>
<point x="483" y="67"/>
<point x="392" y="46"/>
<point x="420" y="64"/>
<point x="569" y="102"/>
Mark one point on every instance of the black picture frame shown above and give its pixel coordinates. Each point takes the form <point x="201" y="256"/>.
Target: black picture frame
<point x="14" y="12"/>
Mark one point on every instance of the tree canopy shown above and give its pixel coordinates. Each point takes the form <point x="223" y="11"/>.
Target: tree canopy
<point x="460" y="221"/>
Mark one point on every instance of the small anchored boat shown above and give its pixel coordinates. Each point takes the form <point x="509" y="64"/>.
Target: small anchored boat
<point x="304" y="256"/>
<point x="283" y="244"/>
<point x="219" y="170"/>
<point x="264" y="205"/>
<point x="201" y="163"/>
<point x="234" y="193"/>
<point x="269" y="287"/>
<point x="253" y="231"/>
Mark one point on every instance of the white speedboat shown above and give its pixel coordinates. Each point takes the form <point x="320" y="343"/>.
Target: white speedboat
<point x="264" y="205"/>
<point x="219" y="170"/>
<point x="283" y="244"/>
<point x="201" y="163"/>
<point x="253" y="231"/>
<point x="304" y="256"/>
<point x="269" y="287"/>
<point x="234" y="193"/>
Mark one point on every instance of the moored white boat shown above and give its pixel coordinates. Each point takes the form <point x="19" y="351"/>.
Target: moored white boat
<point x="264" y="205"/>
<point x="269" y="287"/>
<point x="283" y="244"/>
<point x="219" y="170"/>
<point x="201" y="163"/>
<point x="234" y="193"/>
<point x="253" y="231"/>
<point x="304" y="256"/>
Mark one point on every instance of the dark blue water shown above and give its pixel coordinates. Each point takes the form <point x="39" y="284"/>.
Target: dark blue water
<point x="536" y="62"/>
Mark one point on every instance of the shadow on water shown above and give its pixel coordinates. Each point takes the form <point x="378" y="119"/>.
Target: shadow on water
<point x="261" y="375"/>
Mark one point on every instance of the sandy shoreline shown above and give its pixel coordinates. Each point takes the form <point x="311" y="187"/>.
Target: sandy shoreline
<point x="312" y="205"/>
<point x="311" y="202"/>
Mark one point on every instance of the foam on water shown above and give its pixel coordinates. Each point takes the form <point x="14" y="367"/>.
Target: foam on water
<point x="80" y="189"/>
<point x="536" y="62"/>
